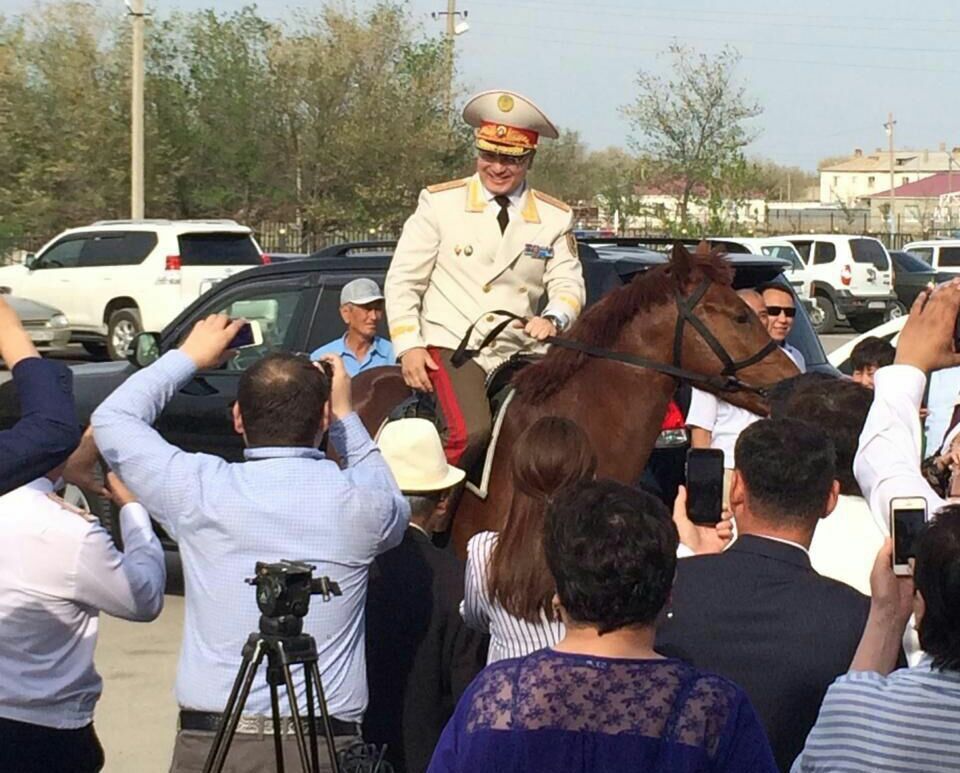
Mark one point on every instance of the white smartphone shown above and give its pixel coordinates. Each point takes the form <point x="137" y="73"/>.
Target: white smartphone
<point x="248" y="335"/>
<point x="907" y="518"/>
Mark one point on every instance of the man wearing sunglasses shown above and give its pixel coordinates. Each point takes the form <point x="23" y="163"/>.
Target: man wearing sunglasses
<point x="781" y="314"/>
<point x="474" y="246"/>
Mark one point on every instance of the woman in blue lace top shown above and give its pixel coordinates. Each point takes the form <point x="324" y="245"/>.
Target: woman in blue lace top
<point x="601" y="699"/>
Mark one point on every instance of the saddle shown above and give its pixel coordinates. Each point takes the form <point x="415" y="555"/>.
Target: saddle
<point x="423" y="405"/>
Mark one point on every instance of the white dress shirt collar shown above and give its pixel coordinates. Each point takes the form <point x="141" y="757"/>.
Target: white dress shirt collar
<point x="516" y="197"/>
<point x="789" y="542"/>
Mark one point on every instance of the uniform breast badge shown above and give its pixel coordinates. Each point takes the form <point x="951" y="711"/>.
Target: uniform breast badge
<point x="538" y="252"/>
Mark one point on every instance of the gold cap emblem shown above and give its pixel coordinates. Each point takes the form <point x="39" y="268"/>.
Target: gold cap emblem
<point x="505" y="103"/>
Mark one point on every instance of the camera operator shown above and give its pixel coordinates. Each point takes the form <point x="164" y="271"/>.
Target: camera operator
<point x="287" y="500"/>
<point x="58" y="569"/>
<point x="48" y="429"/>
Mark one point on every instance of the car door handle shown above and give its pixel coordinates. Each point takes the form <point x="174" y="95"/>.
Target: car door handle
<point x="199" y="387"/>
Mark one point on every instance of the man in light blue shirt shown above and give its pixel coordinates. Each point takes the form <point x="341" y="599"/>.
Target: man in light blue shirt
<point x="287" y="500"/>
<point x="361" y="308"/>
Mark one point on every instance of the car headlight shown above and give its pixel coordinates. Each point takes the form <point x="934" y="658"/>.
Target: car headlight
<point x="58" y="321"/>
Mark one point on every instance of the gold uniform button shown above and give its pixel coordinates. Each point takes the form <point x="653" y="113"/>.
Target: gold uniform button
<point x="486" y="288"/>
<point x="490" y="318"/>
<point x="522" y="290"/>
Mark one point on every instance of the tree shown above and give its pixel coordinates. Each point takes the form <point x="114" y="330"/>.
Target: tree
<point x="565" y="168"/>
<point x="693" y="123"/>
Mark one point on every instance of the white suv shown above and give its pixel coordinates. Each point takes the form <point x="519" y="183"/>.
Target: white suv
<point x="941" y="254"/>
<point x="850" y="278"/>
<point x="775" y="247"/>
<point x="115" y="278"/>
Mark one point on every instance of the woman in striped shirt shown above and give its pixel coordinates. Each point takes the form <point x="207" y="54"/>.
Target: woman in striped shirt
<point x="907" y="721"/>
<point x="509" y="590"/>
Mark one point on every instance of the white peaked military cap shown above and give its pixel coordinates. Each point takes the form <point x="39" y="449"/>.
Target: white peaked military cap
<point x="360" y="291"/>
<point x="414" y="453"/>
<point x="507" y="122"/>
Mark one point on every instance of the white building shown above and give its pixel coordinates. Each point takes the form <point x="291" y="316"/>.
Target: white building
<point x="864" y="175"/>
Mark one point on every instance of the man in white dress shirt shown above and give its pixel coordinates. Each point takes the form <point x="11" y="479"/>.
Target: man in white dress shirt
<point x="715" y="423"/>
<point x="887" y="464"/>
<point x="58" y="569"/>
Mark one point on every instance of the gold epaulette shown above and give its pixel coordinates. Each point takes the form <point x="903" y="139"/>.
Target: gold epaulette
<point x="448" y="186"/>
<point x="550" y="200"/>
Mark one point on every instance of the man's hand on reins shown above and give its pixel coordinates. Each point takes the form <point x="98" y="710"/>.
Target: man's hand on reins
<point x="538" y="328"/>
<point x="415" y="365"/>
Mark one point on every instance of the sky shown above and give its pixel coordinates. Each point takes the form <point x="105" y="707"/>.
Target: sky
<point x="825" y="72"/>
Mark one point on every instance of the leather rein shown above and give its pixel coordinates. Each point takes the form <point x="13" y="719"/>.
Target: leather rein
<point x="727" y="381"/>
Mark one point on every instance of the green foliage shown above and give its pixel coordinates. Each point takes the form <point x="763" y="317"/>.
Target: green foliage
<point x="692" y="124"/>
<point x="333" y="121"/>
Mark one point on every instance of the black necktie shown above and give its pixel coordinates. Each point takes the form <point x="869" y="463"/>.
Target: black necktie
<point x="503" y="217"/>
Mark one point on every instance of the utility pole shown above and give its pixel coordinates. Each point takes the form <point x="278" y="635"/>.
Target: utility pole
<point x="453" y="29"/>
<point x="137" y="15"/>
<point x="889" y="127"/>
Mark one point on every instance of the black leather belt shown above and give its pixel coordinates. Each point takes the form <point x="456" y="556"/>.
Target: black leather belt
<point x="209" y="722"/>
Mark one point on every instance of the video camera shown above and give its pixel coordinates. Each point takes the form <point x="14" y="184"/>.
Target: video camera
<point x="283" y="594"/>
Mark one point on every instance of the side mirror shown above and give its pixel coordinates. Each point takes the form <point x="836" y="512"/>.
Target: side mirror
<point x="30" y="260"/>
<point x="145" y="350"/>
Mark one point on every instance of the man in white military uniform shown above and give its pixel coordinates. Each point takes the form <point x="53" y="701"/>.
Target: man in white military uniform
<point x="475" y="245"/>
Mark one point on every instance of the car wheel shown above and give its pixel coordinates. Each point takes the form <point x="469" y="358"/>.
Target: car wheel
<point x="894" y="311"/>
<point x="864" y="323"/>
<point x="123" y="327"/>
<point x="96" y="349"/>
<point x="823" y="314"/>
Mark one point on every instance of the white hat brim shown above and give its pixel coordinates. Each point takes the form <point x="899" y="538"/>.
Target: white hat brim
<point x="454" y="476"/>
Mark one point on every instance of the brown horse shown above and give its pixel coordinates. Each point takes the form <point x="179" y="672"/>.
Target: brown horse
<point x="620" y="406"/>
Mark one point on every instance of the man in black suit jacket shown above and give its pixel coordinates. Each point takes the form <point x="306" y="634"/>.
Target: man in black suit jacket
<point x="758" y="613"/>
<point x="420" y="654"/>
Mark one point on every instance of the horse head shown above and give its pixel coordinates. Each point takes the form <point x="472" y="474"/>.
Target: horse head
<point x="720" y="335"/>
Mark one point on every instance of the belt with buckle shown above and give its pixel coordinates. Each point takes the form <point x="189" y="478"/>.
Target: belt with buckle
<point x="255" y="724"/>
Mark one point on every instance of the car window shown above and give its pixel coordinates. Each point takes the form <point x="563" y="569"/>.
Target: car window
<point x="275" y="310"/>
<point x="784" y="253"/>
<point x="949" y="257"/>
<point x="908" y="262"/>
<point x="218" y="249"/>
<point x="924" y="253"/>
<point x="327" y="323"/>
<point x="117" y="248"/>
<point x="63" y="254"/>
<point x="804" y="249"/>
<point x="869" y="251"/>
<point x="824" y="252"/>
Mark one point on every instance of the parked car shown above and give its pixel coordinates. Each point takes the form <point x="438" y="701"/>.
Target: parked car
<point x="850" y="278"/>
<point x="297" y="306"/>
<point x="940" y="254"/>
<point x="115" y="278"/>
<point x="910" y="276"/>
<point x="47" y="327"/>
<point x="796" y="273"/>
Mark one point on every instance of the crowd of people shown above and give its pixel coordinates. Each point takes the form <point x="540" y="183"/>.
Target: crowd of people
<point x="594" y="630"/>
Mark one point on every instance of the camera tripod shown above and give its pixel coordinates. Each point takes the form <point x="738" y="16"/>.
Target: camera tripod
<point x="282" y="641"/>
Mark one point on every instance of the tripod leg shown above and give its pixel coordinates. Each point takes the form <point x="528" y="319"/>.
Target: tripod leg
<point x="277" y="738"/>
<point x="327" y="726"/>
<point x="294" y="709"/>
<point x="311" y="718"/>
<point x="234" y="708"/>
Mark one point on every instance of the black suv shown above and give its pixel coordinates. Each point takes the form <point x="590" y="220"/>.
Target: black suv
<point x="297" y="306"/>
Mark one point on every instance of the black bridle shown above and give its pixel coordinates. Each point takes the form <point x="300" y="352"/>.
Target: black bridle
<point x="727" y="381"/>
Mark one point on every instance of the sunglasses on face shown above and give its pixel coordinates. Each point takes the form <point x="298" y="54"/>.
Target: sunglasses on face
<point x="496" y="158"/>
<point x="789" y="311"/>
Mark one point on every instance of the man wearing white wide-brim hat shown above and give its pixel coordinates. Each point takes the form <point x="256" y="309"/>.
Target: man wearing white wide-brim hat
<point x="476" y="245"/>
<point x="420" y="653"/>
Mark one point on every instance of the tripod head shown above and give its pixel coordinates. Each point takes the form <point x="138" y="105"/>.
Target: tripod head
<point x="283" y="595"/>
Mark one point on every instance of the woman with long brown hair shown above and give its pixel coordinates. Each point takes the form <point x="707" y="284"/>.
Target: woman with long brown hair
<point x="509" y="588"/>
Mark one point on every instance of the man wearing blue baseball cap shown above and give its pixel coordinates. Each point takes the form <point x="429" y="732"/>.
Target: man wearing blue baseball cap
<point x="361" y="309"/>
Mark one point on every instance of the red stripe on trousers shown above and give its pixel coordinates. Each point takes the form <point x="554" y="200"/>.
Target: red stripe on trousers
<point x="456" y="442"/>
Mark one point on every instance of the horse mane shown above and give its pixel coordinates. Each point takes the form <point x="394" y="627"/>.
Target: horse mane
<point x="601" y="324"/>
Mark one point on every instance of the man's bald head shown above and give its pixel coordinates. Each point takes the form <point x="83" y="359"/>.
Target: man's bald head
<point x="281" y="400"/>
<point x="755" y="301"/>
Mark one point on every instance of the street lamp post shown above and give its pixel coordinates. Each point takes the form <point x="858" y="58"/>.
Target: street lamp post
<point x="137" y="15"/>
<point x="454" y="28"/>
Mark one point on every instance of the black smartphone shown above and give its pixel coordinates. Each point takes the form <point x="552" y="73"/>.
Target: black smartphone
<point x="907" y="518"/>
<point x="704" y="485"/>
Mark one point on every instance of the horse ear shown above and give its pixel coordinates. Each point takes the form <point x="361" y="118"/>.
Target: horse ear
<point x="681" y="265"/>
